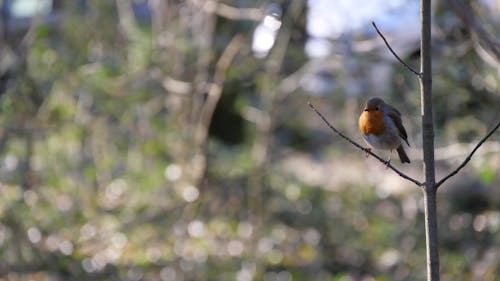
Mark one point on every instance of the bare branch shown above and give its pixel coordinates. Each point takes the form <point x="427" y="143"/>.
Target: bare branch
<point x="126" y="19"/>
<point x="177" y="86"/>
<point x="368" y="151"/>
<point x="460" y="150"/>
<point x="233" y="13"/>
<point x="230" y="12"/>
<point x="215" y="89"/>
<point x="394" y="53"/>
<point x="454" y="172"/>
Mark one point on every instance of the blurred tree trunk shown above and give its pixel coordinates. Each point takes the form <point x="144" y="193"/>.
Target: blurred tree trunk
<point x="186" y="89"/>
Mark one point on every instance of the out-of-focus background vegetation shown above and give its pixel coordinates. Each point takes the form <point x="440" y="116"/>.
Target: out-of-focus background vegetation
<point x="171" y="140"/>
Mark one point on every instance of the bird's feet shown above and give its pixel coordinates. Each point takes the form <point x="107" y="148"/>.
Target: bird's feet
<point x="388" y="162"/>
<point x="367" y="150"/>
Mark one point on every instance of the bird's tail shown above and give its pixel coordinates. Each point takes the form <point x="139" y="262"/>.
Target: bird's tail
<point x="402" y="155"/>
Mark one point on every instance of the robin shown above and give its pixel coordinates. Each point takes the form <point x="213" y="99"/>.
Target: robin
<point x="382" y="128"/>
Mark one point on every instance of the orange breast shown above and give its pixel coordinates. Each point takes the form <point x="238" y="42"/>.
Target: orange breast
<point x="371" y="122"/>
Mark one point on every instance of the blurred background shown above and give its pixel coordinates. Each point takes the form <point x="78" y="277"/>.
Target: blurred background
<point x="171" y="140"/>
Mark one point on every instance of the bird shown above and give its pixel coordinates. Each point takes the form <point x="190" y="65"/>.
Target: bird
<point x="382" y="128"/>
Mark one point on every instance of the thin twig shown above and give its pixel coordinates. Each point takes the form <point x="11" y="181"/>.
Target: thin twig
<point x="454" y="172"/>
<point x="394" y="53"/>
<point x="368" y="151"/>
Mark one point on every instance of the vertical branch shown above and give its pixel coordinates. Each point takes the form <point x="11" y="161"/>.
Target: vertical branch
<point x="131" y="32"/>
<point x="426" y="94"/>
<point x="4" y="14"/>
<point x="127" y="19"/>
<point x="268" y="89"/>
<point x="431" y="235"/>
<point x="214" y="93"/>
<point x="215" y="89"/>
<point x="203" y="28"/>
<point x="27" y="170"/>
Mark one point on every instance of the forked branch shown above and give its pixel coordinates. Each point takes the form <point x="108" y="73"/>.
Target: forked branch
<point x="368" y="151"/>
<point x="394" y="53"/>
<point x="454" y="172"/>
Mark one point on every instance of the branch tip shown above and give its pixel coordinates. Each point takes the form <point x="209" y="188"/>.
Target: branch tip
<point x="419" y="74"/>
<point x="469" y="157"/>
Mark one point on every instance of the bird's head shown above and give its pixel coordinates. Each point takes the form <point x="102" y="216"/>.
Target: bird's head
<point x="373" y="105"/>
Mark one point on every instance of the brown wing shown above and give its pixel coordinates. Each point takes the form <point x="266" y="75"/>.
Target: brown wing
<point x="396" y="118"/>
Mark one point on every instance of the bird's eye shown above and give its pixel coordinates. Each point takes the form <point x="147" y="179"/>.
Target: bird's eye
<point x="376" y="108"/>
